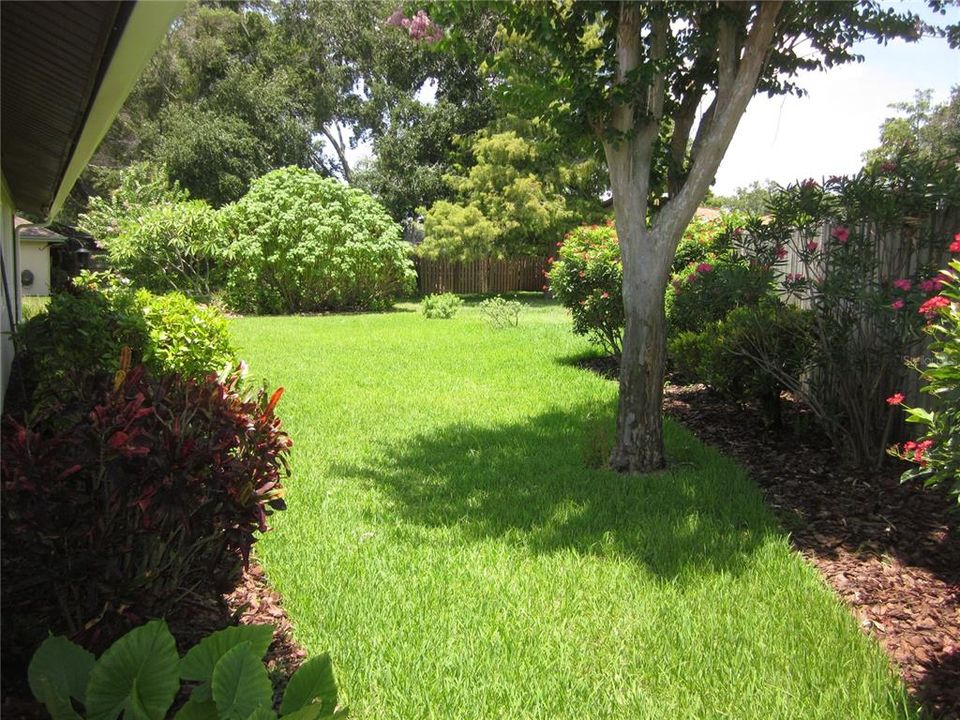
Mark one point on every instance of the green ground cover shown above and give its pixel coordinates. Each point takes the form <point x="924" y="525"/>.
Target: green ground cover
<point x="448" y="542"/>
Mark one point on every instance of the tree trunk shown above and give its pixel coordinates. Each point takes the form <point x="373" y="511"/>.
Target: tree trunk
<point x="646" y="265"/>
<point x="639" y="445"/>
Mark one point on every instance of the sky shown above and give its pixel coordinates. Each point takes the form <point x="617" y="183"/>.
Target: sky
<point x="825" y="132"/>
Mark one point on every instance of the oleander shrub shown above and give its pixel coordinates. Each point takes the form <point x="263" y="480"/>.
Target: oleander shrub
<point x="935" y="453"/>
<point x="587" y="278"/>
<point x="441" y="306"/>
<point x="304" y="243"/>
<point x="141" y="673"/>
<point x="141" y="493"/>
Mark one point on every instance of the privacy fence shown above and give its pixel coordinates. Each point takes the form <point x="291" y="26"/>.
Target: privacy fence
<point x="483" y="276"/>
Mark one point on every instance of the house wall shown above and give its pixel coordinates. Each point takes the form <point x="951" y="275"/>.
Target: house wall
<point x="35" y="257"/>
<point x="11" y="286"/>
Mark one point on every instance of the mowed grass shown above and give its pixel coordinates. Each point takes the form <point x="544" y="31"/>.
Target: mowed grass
<point x="448" y="543"/>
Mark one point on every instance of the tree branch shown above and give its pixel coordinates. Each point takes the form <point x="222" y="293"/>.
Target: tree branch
<point x="717" y="137"/>
<point x="338" y="148"/>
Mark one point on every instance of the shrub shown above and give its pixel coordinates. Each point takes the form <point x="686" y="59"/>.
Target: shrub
<point x="156" y="236"/>
<point x="441" y="306"/>
<point x="139" y="493"/>
<point x="78" y="340"/>
<point x="183" y="337"/>
<point x="863" y="279"/>
<point x="140" y="675"/>
<point x="750" y="355"/>
<point x="587" y="279"/>
<point x="501" y="312"/>
<point x="936" y="453"/>
<point x="304" y="243"/>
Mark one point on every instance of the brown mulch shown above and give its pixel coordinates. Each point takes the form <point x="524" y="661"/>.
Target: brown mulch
<point x="891" y="551"/>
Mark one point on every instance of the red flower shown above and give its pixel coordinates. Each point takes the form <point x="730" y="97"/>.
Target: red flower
<point x="550" y="260"/>
<point x="903" y="284"/>
<point x="921" y="448"/>
<point x="781" y="252"/>
<point x="932" y="285"/>
<point x="930" y="307"/>
<point x="704" y="267"/>
<point x="841" y="234"/>
<point x="909" y="446"/>
<point x="897" y="304"/>
<point x="812" y="245"/>
<point x="955" y="245"/>
<point x="895" y="399"/>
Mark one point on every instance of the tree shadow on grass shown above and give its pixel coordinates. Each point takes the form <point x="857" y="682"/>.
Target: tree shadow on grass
<point x="527" y="483"/>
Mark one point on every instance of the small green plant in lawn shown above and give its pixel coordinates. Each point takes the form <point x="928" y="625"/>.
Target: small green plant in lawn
<point x="501" y="312"/>
<point x="141" y="673"/>
<point x="936" y="454"/>
<point x="441" y="306"/>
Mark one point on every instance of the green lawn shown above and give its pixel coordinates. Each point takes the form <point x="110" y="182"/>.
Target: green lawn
<point x="447" y="542"/>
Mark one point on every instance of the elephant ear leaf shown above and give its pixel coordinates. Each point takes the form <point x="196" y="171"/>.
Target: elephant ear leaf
<point x="240" y="684"/>
<point x="58" y="671"/>
<point x="199" y="662"/>
<point x="137" y="675"/>
<point x="313" y="682"/>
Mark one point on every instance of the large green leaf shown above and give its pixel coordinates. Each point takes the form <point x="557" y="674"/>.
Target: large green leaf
<point x="313" y="681"/>
<point x="198" y="710"/>
<point x="138" y="674"/>
<point x="199" y="662"/>
<point x="240" y="683"/>
<point x="262" y="713"/>
<point x="58" y="671"/>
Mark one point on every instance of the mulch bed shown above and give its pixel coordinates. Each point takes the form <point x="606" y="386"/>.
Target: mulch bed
<point x="890" y="551"/>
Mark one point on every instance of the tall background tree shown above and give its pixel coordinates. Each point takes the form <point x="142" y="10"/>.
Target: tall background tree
<point x="634" y="76"/>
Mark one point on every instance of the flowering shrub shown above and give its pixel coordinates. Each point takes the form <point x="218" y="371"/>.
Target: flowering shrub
<point x="303" y="243"/>
<point x="936" y="453"/>
<point x="587" y="279"/>
<point x="153" y="490"/>
<point x="867" y="303"/>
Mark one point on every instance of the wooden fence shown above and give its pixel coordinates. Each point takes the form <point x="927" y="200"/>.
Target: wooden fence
<point x="484" y="276"/>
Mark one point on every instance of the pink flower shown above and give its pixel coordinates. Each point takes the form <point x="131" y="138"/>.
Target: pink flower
<point x="605" y="295"/>
<point x="550" y="260"/>
<point x="921" y="448"/>
<point x="897" y="304"/>
<point x="809" y="183"/>
<point x="560" y="244"/>
<point x="396" y="18"/>
<point x="841" y="234"/>
<point x="781" y="252"/>
<point x="930" y="306"/>
<point x="895" y="399"/>
<point x="932" y="285"/>
<point x="903" y="284"/>
<point x="812" y="246"/>
<point x="704" y="267"/>
<point x="955" y="245"/>
<point x="738" y="232"/>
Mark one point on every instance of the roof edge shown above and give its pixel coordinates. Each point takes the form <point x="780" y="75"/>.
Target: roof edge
<point x="142" y="34"/>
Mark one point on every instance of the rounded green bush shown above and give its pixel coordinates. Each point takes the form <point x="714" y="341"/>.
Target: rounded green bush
<point x="305" y="243"/>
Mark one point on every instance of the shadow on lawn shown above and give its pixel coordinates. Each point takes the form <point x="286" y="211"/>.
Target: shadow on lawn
<point x="527" y="483"/>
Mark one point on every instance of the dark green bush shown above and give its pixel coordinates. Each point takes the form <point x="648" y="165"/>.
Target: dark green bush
<point x="749" y="356"/>
<point x="587" y="279"/>
<point x="305" y="243"/>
